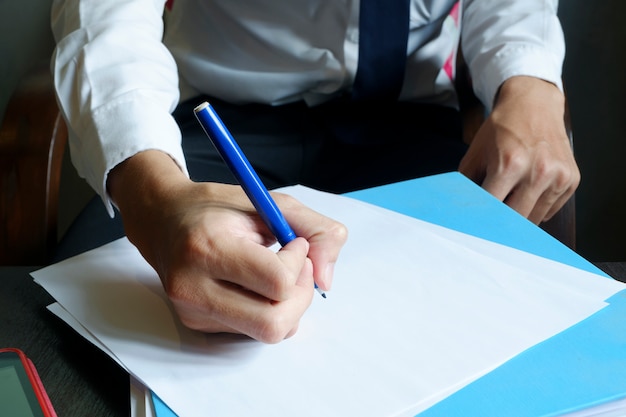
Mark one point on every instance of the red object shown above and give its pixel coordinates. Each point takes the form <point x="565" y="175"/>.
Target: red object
<point x="33" y="376"/>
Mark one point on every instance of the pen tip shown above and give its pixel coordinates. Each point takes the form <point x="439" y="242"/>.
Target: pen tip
<point x="319" y="290"/>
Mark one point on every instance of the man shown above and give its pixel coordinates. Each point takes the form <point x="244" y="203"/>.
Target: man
<point x="287" y="77"/>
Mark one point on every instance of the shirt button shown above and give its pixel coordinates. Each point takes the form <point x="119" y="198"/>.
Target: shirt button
<point x="353" y="35"/>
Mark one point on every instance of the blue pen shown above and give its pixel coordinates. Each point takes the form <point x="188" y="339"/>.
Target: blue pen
<point x="245" y="174"/>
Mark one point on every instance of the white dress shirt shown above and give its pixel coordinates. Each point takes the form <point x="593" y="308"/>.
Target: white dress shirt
<point x="120" y="71"/>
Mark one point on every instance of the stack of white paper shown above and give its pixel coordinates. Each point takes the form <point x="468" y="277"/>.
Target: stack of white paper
<point x="416" y="312"/>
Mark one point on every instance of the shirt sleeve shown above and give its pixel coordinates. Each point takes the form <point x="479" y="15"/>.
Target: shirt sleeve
<point x="506" y="38"/>
<point x="116" y="84"/>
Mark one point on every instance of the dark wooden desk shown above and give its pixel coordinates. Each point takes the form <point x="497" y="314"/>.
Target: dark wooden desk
<point x="79" y="378"/>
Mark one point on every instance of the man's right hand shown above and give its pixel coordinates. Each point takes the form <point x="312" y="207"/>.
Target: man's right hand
<point x="210" y="249"/>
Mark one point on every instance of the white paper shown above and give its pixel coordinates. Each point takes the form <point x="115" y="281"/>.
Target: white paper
<point x="140" y="397"/>
<point x="414" y="315"/>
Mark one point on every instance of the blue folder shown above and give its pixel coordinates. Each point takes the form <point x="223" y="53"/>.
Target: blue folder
<point x="579" y="368"/>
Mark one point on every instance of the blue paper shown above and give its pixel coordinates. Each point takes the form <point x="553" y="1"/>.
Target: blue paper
<point x="160" y="408"/>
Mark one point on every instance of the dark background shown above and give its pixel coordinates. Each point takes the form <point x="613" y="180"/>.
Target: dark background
<point x="594" y="77"/>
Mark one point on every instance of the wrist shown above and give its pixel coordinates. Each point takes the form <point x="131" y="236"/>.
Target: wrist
<point x="532" y="102"/>
<point x="530" y="89"/>
<point x="143" y="179"/>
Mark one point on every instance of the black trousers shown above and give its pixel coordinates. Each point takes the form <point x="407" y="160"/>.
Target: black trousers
<point x="336" y="147"/>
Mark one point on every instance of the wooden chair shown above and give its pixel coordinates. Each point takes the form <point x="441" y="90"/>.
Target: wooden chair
<point x="32" y="143"/>
<point x="33" y="136"/>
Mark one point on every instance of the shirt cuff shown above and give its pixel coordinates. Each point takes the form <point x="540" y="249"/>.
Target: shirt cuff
<point x="119" y="130"/>
<point x="512" y="61"/>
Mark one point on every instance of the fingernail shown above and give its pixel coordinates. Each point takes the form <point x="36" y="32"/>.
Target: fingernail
<point x="328" y="275"/>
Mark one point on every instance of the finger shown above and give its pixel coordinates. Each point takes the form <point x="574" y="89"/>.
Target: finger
<point x="558" y="204"/>
<point x="549" y="202"/>
<point x="220" y="306"/>
<point x="472" y="167"/>
<point x="326" y="241"/>
<point x="565" y="190"/>
<point x="265" y="320"/>
<point x="294" y="257"/>
<point x="259" y="269"/>
<point x="560" y="186"/>
<point x="325" y="236"/>
<point x="523" y="199"/>
<point x="500" y="186"/>
<point x="305" y="283"/>
<point x="544" y="205"/>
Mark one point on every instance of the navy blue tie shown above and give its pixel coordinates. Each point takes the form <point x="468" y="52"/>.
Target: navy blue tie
<point x="383" y="37"/>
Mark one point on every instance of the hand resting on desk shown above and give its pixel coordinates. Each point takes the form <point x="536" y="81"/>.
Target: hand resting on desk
<point x="522" y="154"/>
<point x="209" y="248"/>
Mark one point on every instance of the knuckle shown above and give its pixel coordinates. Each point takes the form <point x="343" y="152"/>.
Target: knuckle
<point x="192" y="323"/>
<point x="191" y="312"/>
<point x="180" y="293"/>
<point x="562" y="183"/>
<point x="565" y="180"/>
<point x="575" y="180"/>
<point x="514" y="162"/>
<point x="273" y="327"/>
<point x="339" y="232"/>
<point x="191" y="245"/>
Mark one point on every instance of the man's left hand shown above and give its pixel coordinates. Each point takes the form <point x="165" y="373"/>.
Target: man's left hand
<point x="522" y="154"/>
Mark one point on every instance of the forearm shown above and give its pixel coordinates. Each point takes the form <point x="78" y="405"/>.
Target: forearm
<point x="143" y="180"/>
<point x="507" y="38"/>
<point x="116" y="83"/>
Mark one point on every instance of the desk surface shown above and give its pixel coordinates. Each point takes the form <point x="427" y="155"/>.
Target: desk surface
<point x="79" y="378"/>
